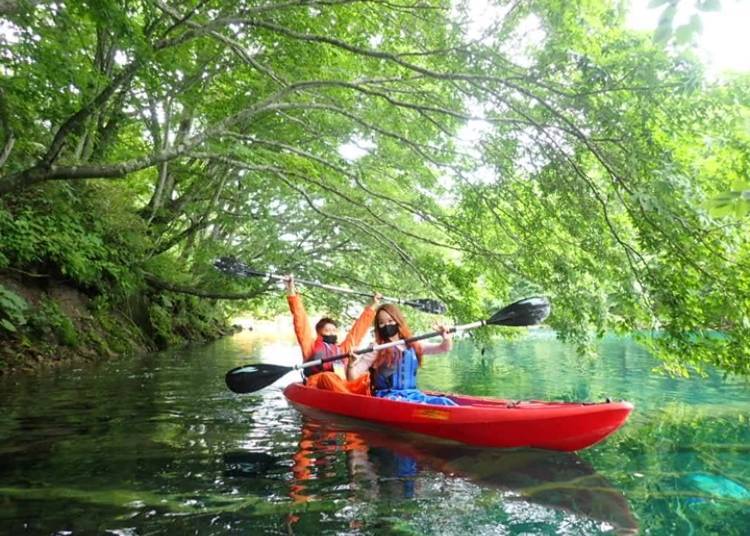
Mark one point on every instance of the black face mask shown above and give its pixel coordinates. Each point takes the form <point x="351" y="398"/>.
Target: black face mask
<point x="330" y="339"/>
<point x="388" y="331"/>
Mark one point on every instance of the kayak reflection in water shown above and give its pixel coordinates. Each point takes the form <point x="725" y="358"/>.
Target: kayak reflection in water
<point x="324" y="343"/>
<point x="393" y="371"/>
<point x="317" y="458"/>
<point x="382" y="466"/>
<point x="371" y="472"/>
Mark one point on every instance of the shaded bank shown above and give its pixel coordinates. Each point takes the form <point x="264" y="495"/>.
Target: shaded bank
<point x="49" y="321"/>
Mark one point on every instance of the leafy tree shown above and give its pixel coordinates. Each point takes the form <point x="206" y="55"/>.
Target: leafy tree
<point x="328" y="138"/>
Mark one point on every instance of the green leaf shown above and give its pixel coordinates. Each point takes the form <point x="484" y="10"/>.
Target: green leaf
<point x="709" y="5"/>
<point x="695" y="23"/>
<point x="664" y="28"/>
<point x="667" y="16"/>
<point x="683" y="34"/>
<point x="732" y="203"/>
<point x="7" y="325"/>
<point x="663" y="33"/>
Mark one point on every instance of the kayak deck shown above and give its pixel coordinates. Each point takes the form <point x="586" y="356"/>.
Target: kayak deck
<point x="479" y="421"/>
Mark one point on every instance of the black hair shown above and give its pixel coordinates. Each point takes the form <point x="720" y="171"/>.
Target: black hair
<point x="323" y="321"/>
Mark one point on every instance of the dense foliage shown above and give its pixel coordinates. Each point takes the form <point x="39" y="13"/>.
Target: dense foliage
<point x="401" y="146"/>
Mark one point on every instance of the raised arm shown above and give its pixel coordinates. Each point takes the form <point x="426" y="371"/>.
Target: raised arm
<point x="302" y="329"/>
<point x="360" y="327"/>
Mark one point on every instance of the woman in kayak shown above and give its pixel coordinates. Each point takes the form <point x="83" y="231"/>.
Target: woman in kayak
<point x="324" y="343"/>
<point x="393" y="371"/>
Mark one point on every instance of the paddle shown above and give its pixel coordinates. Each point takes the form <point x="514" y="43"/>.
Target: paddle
<point x="251" y="378"/>
<point x="234" y="267"/>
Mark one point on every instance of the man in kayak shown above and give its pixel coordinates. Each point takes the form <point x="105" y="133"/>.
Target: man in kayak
<point x="393" y="371"/>
<point x="324" y="343"/>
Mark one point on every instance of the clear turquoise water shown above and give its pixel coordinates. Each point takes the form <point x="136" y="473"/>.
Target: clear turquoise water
<point x="157" y="445"/>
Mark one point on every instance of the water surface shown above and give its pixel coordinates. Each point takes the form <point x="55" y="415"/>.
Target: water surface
<point x="156" y="444"/>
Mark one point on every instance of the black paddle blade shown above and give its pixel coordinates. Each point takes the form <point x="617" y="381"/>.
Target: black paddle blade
<point x="251" y="378"/>
<point x="428" y="306"/>
<point x="526" y="312"/>
<point x="231" y="266"/>
<point x="228" y="265"/>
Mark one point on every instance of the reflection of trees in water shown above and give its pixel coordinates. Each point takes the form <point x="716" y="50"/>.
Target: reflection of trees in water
<point x="58" y="420"/>
<point x="541" y="367"/>
<point x="388" y="476"/>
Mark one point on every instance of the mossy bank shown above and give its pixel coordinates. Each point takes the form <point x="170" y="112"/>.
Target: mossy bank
<point x="77" y="279"/>
<point x="48" y="322"/>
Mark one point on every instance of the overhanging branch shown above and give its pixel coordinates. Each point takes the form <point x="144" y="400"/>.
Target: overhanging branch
<point x="160" y="284"/>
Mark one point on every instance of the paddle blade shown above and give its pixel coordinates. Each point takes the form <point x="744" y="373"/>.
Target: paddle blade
<point x="526" y="312"/>
<point x="428" y="306"/>
<point x="231" y="266"/>
<point x="251" y="378"/>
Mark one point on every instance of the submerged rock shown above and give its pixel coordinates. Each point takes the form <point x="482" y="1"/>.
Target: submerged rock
<point x="717" y="486"/>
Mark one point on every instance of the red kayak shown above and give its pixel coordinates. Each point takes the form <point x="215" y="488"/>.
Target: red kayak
<point x="484" y="422"/>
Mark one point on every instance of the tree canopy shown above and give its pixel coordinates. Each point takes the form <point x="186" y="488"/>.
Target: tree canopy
<point x="396" y="145"/>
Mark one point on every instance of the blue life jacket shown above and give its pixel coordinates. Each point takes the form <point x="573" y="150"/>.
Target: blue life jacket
<point x="403" y="374"/>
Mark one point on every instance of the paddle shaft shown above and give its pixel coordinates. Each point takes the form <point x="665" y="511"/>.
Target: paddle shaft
<point x="371" y="348"/>
<point x="322" y="285"/>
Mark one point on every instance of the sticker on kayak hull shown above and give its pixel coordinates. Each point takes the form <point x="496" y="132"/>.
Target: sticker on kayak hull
<point x="429" y="413"/>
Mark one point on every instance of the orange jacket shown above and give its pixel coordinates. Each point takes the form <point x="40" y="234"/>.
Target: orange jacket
<point x="306" y="335"/>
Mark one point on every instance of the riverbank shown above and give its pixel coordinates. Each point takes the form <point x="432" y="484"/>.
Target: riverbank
<point x="47" y="321"/>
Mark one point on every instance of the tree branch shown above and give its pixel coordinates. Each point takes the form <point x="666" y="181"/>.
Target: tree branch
<point x="78" y="119"/>
<point x="164" y="285"/>
<point x="10" y="139"/>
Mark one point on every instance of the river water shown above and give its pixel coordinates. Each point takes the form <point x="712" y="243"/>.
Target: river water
<point x="156" y="444"/>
